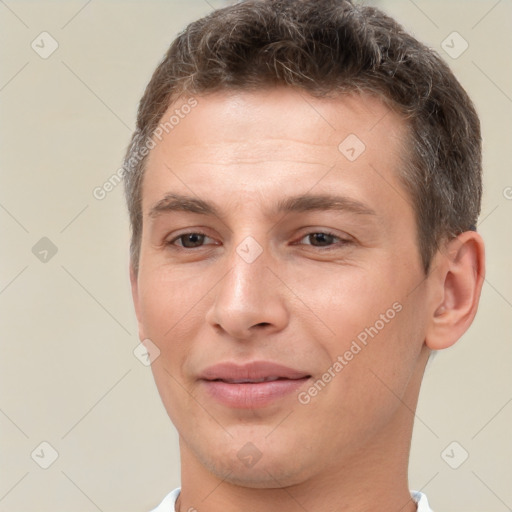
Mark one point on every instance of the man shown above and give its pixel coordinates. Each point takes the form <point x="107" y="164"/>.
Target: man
<point x="303" y="187"/>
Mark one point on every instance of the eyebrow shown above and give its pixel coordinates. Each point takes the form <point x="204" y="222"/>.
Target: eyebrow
<point x="300" y="203"/>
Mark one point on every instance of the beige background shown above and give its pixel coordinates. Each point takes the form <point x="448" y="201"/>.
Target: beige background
<point x="68" y="375"/>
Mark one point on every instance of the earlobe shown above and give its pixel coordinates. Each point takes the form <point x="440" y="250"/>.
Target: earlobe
<point x="458" y="282"/>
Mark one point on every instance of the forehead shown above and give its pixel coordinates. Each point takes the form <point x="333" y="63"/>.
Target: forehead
<point x="281" y="112"/>
<point x="272" y="141"/>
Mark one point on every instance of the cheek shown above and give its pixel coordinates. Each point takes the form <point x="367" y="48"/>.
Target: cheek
<point x="373" y="325"/>
<point x="345" y="301"/>
<point x="381" y="377"/>
<point x="168" y="300"/>
<point x="172" y="312"/>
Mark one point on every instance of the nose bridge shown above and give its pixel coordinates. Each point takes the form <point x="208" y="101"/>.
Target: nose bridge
<point x="249" y="294"/>
<point x="249" y="262"/>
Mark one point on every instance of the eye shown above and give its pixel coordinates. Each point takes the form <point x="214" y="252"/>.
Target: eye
<point x="323" y="239"/>
<point x="189" y="240"/>
<point x="196" y="239"/>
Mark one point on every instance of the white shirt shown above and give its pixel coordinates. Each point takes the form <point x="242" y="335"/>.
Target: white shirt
<point x="168" y="503"/>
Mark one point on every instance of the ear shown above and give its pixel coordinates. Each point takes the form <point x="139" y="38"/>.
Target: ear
<point x="135" y="296"/>
<point x="459" y="273"/>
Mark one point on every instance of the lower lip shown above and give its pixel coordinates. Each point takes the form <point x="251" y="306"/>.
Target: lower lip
<point x="252" y="395"/>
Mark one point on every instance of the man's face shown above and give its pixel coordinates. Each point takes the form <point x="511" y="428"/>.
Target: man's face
<point x="329" y="286"/>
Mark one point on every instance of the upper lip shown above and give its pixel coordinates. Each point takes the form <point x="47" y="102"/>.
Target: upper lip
<point x="251" y="372"/>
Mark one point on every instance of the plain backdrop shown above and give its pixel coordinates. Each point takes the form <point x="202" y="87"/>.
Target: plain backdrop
<point x="68" y="374"/>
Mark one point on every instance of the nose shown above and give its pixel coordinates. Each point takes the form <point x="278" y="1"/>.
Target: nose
<point x="249" y="300"/>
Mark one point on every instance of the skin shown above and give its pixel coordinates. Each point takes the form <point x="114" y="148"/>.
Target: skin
<point x="300" y="303"/>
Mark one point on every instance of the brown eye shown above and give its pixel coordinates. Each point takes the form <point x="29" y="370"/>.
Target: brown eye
<point x="321" y="239"/>
<point x="190" y="240"/>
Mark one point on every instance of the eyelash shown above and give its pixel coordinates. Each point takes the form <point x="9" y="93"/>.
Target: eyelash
<point x="342" y="241"/>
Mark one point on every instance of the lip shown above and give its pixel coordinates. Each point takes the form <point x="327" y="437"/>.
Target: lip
<point x="252" y="385"/>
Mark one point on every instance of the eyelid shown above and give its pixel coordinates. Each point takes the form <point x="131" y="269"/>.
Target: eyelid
<point x="344" y="238"/>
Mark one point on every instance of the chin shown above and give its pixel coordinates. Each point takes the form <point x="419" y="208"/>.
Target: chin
<point x="258" y="465"/>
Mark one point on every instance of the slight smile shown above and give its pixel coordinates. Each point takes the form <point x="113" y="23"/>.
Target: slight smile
<point x="252" y="385"/>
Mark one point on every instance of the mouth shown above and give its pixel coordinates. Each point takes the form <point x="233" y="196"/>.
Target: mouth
<point x="252" y="385"/>
<point x="252" y="381"/>
<point x="253" y="371"/>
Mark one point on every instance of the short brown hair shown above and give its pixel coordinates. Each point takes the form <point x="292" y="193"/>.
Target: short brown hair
<point x="324" y="47"/>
